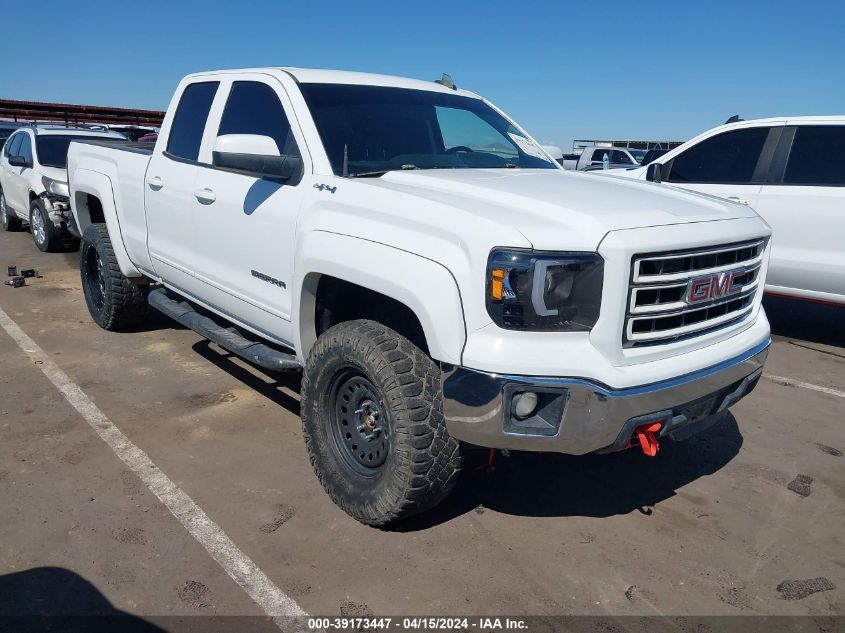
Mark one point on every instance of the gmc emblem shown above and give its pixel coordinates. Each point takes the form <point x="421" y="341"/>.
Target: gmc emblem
<point x="715" y="286"/>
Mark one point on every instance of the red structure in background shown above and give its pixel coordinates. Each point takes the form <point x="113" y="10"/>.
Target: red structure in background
<point x="71" y="114"/>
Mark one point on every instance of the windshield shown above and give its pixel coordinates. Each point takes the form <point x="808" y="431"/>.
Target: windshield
<point x="638" y="154"/>
<point x="51" y="149"/>
<point x="367" y="130"/>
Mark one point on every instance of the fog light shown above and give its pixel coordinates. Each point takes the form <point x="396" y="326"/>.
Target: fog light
<point x="524" y="404"/>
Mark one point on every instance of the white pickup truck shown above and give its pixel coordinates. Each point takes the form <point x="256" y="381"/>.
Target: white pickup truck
<point x="438" y="279"/>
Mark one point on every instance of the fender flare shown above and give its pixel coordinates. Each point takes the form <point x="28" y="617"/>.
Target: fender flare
<point x="425" y="286"/>
<point x="87" y="182"/>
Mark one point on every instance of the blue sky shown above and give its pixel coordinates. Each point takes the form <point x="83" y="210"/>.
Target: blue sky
<point x="564" y="70"/>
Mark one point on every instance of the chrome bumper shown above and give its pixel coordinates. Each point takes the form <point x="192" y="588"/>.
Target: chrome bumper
<point x="593" y="417"/>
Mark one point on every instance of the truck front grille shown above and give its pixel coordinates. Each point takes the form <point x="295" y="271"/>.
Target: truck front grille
<point x="678" y="295"/>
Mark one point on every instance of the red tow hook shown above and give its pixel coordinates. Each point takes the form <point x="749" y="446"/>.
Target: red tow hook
<point x="648" y="440"/>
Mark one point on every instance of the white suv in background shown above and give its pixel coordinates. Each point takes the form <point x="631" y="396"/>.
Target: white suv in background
<point x="791" y="170"/>
<point x="33" y="181"/>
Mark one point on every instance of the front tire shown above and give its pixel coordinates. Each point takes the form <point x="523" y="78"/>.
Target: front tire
<point x="8" y="221"/>
<point x="45" y="234"/>
<point x="113" y="300"/>
<point x="373" y="423"/>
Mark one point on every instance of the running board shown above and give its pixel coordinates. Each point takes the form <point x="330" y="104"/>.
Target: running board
<point x="227" y="338"/>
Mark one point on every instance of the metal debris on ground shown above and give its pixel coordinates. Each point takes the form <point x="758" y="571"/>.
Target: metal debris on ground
<point x="16" y="282"/>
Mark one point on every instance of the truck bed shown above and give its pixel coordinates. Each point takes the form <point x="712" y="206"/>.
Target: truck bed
<point x="126" y="146"/>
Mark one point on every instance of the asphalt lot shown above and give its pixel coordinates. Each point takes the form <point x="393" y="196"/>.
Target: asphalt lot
<point x="711" y="526"/>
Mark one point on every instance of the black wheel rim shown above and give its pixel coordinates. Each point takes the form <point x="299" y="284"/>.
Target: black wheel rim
<point x="359" y="422"/>
<point x="95" y="282"/>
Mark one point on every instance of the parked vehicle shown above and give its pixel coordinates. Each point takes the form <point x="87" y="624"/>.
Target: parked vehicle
<point x="792" y="172"/>
<point x="593" y="158"/>
<point x="33" y="182"/>
<point x="438" y="279"/>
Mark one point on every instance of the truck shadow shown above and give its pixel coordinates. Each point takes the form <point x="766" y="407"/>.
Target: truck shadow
<point x="269" y="384"/>
<point x="541" y="484"/>
<point x="806" y="321"/>
<point x="57" y="599"/>
<point x="555" y="485"/>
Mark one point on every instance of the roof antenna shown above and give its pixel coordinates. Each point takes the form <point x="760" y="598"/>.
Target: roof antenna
<point x="345" y="161"/>
<point x="446" y="80"/>
<point x="734" y="119"/>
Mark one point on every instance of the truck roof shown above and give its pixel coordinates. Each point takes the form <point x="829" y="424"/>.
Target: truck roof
<point x="323" y="75"/>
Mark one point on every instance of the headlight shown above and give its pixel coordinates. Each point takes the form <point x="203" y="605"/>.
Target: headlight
<point x="544" y="291"/>
<point x="56" y="187"/>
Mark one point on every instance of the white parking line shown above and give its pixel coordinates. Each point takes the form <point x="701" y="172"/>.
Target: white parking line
<point x="234" y="562"/>
<point x="789" y="382"/>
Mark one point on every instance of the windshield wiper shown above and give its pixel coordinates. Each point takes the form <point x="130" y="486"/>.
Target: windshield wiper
<point x="380" y="172"/>
<point x="369" y="174"/>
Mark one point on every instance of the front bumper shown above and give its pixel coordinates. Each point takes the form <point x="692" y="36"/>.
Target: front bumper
<point x="58" y="208"/>
<point x="589" y="416"/>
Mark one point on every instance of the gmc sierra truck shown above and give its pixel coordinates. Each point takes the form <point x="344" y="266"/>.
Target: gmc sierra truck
<point x="439" y="280"/>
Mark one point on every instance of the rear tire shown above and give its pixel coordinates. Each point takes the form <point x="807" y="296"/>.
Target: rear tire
<point x="373" y="424"/>
<point x="113" y="300"/>
<point x="45" y="234"/>
<point x="8" y="220"/>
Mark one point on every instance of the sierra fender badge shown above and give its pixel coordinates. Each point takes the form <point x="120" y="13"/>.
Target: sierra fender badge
<point x="268" y="279"/>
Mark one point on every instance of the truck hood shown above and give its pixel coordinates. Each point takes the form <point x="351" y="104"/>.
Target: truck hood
<point x="556" y="209"/>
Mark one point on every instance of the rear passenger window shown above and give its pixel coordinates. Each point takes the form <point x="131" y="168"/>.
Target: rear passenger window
<point x="817" y="156"/>
<point x="599" y="154"/>
<point x="254" y="108"/>
<point x="189" y="120"/>
<point x="727" y="158"/>
<point x="620" y="157"/>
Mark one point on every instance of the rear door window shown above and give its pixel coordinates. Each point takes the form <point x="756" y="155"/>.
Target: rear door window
<point x="620" y="157"/>
<point x="189" y="120"/>
<point x="817" y="156"/>
<point x="727" y="158"/>
<point x="253" y="107"/>
<point x="599" y="154"/>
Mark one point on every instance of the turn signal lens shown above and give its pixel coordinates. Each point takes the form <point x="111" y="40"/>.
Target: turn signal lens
<point x="497" y="283"/>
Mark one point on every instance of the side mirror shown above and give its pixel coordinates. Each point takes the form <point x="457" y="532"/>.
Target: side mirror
<point x="19" y="161"/>
<point x="654" y="172"/>
<point x="255" y="155"/>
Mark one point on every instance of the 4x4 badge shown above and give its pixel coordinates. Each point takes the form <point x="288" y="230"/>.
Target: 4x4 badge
<point x="323" y="187"/>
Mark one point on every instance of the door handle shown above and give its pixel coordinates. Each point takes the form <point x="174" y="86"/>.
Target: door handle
<point x="155" y="183"/>
<point x="206" y="196"/>
<point x="737" y="200"/>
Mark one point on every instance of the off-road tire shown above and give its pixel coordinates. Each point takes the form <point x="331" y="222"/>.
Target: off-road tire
<point x="8" y="220"/>
<point x="422" y="460"/>
<point x="116" y="302"/>
<point x="45" y="234"/>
